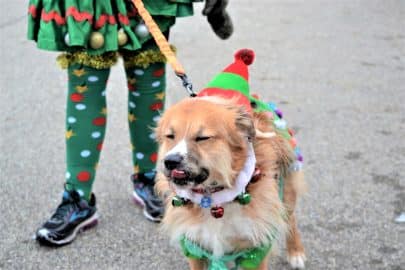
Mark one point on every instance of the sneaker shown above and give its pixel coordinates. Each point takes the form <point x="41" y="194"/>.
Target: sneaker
<point x="72" y="216"/>
<point x="145" y="196"/>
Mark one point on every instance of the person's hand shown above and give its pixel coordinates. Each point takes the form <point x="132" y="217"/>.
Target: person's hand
<point x="209" y="6"/>
<point x="218" y="18"/>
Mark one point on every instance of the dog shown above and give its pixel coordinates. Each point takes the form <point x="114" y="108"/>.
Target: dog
<point x="226" y="173"/>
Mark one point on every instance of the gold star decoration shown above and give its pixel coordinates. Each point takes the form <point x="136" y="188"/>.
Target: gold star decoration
<point x="69" y="134"/>
<point x="160" y="95"/>
<point x="131" y="80"/>
<point x="104" y="111"/>
<point x="96" y="165"/>
<point x="81" y="88"/>
<point x="136" y="169"/>
<point x="132" y="147"/>
<point x="131" y="117"/>
<point x="79" y="72"/>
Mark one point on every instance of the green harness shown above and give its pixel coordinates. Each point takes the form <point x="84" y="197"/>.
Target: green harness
<point x="248" y="258"/>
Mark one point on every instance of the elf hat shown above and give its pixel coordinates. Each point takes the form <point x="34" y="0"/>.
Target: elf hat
<point x="232" y="82"/>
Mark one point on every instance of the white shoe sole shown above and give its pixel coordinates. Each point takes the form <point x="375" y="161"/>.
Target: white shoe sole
<point x="43" y="233"/>
<point x="138" y="200"/>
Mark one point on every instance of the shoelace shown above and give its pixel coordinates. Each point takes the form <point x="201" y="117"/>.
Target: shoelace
<point x="66" y="206"/>
<point x="62" y="210"/>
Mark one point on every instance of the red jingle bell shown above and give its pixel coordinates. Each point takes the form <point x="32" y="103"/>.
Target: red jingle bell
<point x="217" y="211"/>
<point x="256" y="175"/>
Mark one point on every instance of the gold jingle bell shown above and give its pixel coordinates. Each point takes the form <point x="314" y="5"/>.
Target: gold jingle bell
<point x="96" y="40"/>
<point x="122" y="38"/>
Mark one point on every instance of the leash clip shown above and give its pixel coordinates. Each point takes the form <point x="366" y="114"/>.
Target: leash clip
<point x="187" y="84"/>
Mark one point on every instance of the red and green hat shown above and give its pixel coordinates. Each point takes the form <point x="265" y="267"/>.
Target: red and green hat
<point x="233" y="81"/>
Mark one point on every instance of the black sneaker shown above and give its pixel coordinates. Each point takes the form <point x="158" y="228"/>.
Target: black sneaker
<point x="72" y="216"/>
<point x="145" y="196"/>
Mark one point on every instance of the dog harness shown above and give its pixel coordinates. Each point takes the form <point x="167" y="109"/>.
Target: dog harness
<point x="248" y="259"/>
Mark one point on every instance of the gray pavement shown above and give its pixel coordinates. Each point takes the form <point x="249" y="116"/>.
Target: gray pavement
<point x="337" y="69"/>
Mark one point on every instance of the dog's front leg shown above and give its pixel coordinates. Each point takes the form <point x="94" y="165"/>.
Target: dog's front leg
<point x="295" y="248"/>
<point x="196" y="264"/>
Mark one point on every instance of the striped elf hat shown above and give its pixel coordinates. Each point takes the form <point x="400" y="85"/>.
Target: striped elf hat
<point x="233" y="81"/>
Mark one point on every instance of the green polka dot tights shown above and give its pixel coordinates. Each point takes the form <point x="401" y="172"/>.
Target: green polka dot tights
<point x="86" y="117"/>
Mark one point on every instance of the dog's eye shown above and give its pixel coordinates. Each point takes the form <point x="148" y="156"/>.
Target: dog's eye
<point x="170" y="136"/>
<point x="202" y="138"/>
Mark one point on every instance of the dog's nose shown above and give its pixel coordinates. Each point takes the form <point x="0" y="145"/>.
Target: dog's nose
<point x="172" y="161"/>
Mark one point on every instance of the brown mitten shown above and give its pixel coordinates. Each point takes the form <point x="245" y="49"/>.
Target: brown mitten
<point x="218" y="18"/>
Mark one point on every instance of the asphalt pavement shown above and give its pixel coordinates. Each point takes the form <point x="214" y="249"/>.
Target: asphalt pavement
<point x="336" y="69"/>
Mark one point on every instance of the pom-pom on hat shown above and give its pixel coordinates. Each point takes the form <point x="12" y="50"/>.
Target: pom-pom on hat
<point x="233" y="81"/>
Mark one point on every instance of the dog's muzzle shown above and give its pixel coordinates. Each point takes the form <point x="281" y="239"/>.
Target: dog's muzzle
<point x="174" y="164"/>
<point x="173" y="161"/>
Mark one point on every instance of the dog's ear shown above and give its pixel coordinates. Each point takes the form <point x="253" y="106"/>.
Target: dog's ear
<point x="244" y="122"/>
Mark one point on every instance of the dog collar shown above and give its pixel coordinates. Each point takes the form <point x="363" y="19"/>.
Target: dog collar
<point x="223" y="196"/>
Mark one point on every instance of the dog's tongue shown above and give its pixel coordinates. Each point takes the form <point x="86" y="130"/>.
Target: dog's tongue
<point x="178" y="174"/>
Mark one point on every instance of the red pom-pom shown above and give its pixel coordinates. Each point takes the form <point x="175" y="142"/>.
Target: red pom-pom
<point x="246" y="55"/>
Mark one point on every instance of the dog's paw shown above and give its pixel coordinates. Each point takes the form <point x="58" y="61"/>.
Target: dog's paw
<point x="297" y="261"/>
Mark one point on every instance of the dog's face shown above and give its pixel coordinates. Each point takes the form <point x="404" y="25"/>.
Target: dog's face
<point x="203" y="142"/>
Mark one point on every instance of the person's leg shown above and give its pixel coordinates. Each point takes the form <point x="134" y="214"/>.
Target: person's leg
<point x="85" y="128"/>
<point x="145" y="103"/>
<point x="85" y="125"/>
<point x="146" y="85"/>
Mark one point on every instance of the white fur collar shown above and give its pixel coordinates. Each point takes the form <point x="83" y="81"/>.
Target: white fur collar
<point x="228" y="194"/>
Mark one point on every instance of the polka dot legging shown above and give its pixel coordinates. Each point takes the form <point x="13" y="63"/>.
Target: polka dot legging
<point x="86" y="120"/>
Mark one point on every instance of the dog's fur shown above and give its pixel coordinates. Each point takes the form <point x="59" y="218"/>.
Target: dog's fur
<point x="213" y="135"/>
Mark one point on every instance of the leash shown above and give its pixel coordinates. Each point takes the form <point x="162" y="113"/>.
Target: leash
<point x="164" y="46"/>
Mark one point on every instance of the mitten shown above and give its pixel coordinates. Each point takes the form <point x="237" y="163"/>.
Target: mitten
<point x="218" y="18"/>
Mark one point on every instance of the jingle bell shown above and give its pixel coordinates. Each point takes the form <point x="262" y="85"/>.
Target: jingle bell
<point x="217" y="211"/>
<point x="96" y="40"/>
<point x="122" y="38"/>
<point x="256" y="175"/>
<point x="141" y="30"/>
<point x="205" y="202"/>
<point x="244" y="198"/>
<point x="67" y="39"/>
<point x="177" y="201"/>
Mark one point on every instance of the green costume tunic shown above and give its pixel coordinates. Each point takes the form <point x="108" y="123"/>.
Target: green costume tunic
<point x="67" y="25"/>
<point x="87" y="32"/>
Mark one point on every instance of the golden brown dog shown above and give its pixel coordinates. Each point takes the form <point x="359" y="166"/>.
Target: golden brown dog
<point x="204" y="146"/>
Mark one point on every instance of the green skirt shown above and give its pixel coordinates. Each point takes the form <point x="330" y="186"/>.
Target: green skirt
<point x="97" y="26"/>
